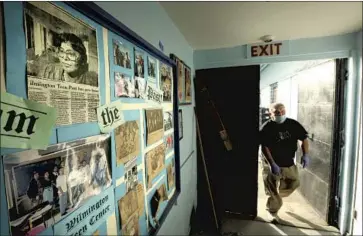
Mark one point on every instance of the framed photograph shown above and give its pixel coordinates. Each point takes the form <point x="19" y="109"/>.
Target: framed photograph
<point x="180" y="124"/>
<point x="184" y="81"/>
<point x="188" y="85"/>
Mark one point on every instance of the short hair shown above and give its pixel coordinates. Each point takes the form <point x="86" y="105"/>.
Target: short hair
<point x="276" y="105"/>
<point x="76" y="44"/>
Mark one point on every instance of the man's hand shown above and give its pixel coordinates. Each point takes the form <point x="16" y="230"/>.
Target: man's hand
<point x="276" y="170"/>
<point x="305" y="160"/>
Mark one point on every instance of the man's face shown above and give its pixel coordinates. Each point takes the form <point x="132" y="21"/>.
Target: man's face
<point x="279" y="111"/>
<point x="46" y="175"/>
<point x="68" y="57"/>
<point x="36" y="176"/>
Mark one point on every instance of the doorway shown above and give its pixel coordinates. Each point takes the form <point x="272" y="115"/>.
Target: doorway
<point x="313" y="93"/>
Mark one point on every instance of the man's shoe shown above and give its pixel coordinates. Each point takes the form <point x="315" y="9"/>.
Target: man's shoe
<point x="273" y="217"/>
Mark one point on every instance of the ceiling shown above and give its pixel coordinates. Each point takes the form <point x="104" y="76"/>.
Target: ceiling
<point x="209" y="25"/>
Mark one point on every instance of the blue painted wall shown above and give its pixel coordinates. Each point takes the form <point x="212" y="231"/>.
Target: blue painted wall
<point x="151" y="22"/>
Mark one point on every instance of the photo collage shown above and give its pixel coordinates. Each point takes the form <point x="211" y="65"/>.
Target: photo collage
<point x="111" y="152"/>
<point x="135" y="69"/>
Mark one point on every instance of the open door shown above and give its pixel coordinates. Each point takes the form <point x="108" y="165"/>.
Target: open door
<point x="233" y="174"/>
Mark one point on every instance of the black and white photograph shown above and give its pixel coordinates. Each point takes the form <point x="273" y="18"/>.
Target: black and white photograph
<point x="127" y="139"/>
<point x="62" y="62"/>
<point x="43" y="187"/>
<point x="121" y="54"/>
<point x="124" y="85"/>
<point x="166" y="82"/>
<point x="139" y="64"/>
<point x="154" y="125"/>
<point x="168" y="120"/>
<point x="58" y="46"/>
<point x="180" y="113"/>
<point x="131" y="174"/>
<point x="151" y="68"/>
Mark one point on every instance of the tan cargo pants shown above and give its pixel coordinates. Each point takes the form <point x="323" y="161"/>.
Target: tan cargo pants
<point x="279" y="186"/>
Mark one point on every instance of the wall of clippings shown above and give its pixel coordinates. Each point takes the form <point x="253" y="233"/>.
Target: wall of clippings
<point x="110" y="164"/>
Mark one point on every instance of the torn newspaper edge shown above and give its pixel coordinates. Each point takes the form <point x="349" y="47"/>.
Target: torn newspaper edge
<point x="24" y="123"/>
<point x="110" y="116"/>
<point x="154" y="94"/>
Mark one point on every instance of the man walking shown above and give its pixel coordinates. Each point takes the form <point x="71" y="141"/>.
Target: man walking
<point x="279" y="139"/>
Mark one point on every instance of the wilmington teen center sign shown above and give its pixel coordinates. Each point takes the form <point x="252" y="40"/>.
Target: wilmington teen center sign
<point x="88" y="218"/>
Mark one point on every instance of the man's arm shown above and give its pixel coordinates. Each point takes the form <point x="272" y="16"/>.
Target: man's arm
<point x="305" y="146"/>
<point x="267" y="153"/>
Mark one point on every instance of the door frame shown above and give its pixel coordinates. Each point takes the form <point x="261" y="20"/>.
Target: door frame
<point x="334" y="207"/>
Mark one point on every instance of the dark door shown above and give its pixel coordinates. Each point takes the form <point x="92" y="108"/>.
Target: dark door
<point x="233" y="174"/>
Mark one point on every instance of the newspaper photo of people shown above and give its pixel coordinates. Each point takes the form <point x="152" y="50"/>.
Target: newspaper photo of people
<point x="127" y="138"/>
<point x="62" y="62"/>
<point x="168" y="120"/>
<point x="43" y="187"/>
<point x="124" y="85"/>
<point x="171" y="174"/>
<point x="151" y="68"/>
<point x="154" y="162"/>
<point x="139" y="64"/>
<point x="154" y="124"/>
<point x="166" y="82"/>
<point x="131" y="174"/>
<point x="188" y="86"/>
<point x="121" y="54"/>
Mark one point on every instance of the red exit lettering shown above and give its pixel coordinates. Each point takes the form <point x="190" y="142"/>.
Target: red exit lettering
<point x="266" y="50"/>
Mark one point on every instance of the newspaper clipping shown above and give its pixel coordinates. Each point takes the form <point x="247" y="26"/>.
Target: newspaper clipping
<point x="45" y="186"/>
<point x="154" y="162"/>
<point x="62" y="62"/>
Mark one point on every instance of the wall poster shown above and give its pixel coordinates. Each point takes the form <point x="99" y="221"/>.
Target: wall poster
<point x="62" y="62"/>
<point x="140" y="81"/>
<point x="181" y="79"/>
<point x="127" y="141"/>
<point x="168" y="120"/>
<point x="124" y="85"/>
<point x="155" y="125"/>
<point x="166" y="82"/>
<point x="44" y="187"/>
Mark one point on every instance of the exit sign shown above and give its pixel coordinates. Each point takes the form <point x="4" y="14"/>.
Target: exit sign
<point x="272" y="49"/>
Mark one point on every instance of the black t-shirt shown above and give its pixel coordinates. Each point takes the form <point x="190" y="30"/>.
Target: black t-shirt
<point x="282" y="139"/>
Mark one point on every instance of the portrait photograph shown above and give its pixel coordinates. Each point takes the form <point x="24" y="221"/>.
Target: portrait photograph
<point x="168" y="120"/>
<point x="59" y="47"/>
